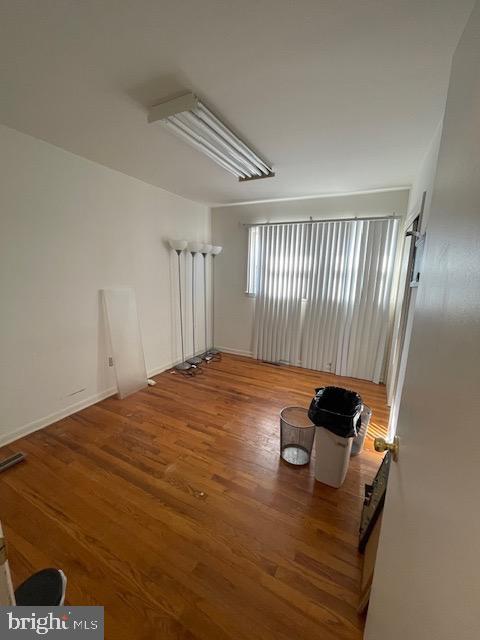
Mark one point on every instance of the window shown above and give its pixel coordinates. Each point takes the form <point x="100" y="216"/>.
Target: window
<point x="253" y="261"/>
<point x="290" y="261"/>
<point x="322" y="293"/>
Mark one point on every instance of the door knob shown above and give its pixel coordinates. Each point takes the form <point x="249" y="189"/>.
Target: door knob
<point x="381" y="445"/>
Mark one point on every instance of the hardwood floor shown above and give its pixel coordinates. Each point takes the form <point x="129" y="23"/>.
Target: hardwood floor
<point x="173" y="509"/>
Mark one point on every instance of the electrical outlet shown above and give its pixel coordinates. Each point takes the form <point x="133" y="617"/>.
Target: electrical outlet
<point x="110" y="362"/>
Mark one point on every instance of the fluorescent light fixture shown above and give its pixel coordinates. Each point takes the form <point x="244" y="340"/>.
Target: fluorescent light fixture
<point x="192" y="121"/>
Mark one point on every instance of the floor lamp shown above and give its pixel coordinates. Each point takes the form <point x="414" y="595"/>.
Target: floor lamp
<point x="179" y="246"/>
<point x="194" y="248"/>
<point x="207" y="248"/>
<point x="215" y="251"/>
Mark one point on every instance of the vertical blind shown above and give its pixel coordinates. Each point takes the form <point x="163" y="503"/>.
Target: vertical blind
<point x="323" y="294"/>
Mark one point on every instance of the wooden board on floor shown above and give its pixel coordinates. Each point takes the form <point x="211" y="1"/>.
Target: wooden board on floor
<point x="173" y="509"/>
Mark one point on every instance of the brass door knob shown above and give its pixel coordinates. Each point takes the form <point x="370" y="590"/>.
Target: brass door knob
<point x="381" y="445"/>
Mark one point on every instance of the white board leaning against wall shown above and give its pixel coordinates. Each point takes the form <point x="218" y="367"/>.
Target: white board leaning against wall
<point x="125" y="340"/>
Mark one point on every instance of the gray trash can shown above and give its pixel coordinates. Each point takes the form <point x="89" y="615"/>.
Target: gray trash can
<point x="297" y="432"/>
<point x="359" y="440"/>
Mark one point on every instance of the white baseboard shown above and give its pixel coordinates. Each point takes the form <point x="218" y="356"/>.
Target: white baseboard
<point x="236" y="352"/>
<point x="43" y="422"/>
<point x="157" y="370"/>
<point x="40" y="423"/>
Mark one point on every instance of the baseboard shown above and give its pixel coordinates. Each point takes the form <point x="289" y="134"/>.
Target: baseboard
<point x="41" y="423"/>
<point x="236" y="352"/>
<point x="157" y="370"/>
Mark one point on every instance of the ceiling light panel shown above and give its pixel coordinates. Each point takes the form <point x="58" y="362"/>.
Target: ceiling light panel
<point x="192" y="121"/>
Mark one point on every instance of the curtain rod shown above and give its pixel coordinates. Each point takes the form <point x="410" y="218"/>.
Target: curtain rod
<point x="312" y="221"/>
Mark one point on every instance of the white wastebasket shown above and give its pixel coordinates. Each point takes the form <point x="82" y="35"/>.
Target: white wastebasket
<point x="332" y="456"/>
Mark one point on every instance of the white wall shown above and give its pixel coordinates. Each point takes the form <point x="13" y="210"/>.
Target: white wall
<point x="68" y="228"/>
<point x="234" y="310"/>
<point x="424" y="180"/>
<point x="426" y="584"/>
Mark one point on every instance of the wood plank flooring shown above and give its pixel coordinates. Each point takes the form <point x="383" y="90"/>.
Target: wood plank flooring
<point x="173" y="510"/>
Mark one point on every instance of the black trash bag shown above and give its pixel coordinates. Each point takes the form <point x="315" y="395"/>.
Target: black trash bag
<point x="337" y="410"/>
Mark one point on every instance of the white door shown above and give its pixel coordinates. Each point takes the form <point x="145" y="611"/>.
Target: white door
<point x="427" y="577"/>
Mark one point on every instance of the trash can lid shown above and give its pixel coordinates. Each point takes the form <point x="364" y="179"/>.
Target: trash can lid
<point x="296" y="417"/>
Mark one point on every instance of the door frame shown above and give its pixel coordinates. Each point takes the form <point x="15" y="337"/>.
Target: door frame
<point x="412" y="232"/>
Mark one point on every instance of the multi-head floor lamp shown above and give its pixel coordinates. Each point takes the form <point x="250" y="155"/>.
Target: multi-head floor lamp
<point x="191" y="366"/>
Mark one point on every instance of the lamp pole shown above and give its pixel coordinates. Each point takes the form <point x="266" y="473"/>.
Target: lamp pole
<point x="179" y="246"/>
<point x="207" y="248"/>
<point x="216" y="250"/>
<point x="194" y="248"/>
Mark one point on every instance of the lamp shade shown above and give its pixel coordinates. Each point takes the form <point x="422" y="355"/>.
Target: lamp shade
<point x="216" y="250"/>
<point x="195" y="247"/>
<point x="207" y="248"/>
<point x="178" y="245"/>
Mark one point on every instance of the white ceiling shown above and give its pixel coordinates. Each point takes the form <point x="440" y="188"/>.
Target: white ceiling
<point x="339" y="95"/>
